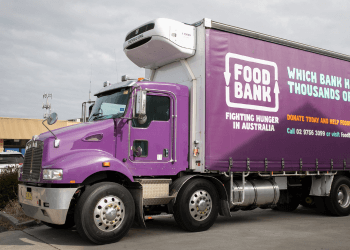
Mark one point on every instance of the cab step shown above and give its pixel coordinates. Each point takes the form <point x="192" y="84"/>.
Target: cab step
<point x="155" y="191"/>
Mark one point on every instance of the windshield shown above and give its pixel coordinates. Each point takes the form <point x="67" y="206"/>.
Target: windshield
<point x="110" y="105"/>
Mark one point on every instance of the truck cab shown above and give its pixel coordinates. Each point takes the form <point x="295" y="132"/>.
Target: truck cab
<point x="118" y="143"/>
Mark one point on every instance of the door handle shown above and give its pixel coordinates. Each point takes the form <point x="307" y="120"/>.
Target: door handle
<point x="165" y="152"/>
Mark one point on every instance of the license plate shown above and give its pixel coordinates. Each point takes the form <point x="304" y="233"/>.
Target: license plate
<point x="29" y="196"/>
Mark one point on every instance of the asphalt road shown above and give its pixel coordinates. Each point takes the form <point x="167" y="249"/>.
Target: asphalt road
<point x="257" y="229"/>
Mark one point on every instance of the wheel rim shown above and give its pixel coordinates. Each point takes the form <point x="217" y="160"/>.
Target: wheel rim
<point x="200" y="205"/>
<point x="343" y="196"/>
<point x="109" y="213"/>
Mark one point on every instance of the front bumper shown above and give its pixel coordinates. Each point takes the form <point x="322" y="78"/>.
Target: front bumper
<point x="47" y="204"/>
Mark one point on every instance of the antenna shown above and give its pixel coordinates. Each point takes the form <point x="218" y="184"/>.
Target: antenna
<point x="116" y="68"/>
<point x="90" y="85"/>
<point x="47" y="105"/>
<point x="83" y="107"/>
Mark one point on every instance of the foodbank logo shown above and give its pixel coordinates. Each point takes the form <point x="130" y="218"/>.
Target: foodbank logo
<point x="251" y="83"/>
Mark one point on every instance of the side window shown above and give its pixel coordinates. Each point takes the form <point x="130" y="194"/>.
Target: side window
<point x="157" y="109"/>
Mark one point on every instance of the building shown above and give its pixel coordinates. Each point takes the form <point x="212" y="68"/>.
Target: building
<point x="16" y="132"/>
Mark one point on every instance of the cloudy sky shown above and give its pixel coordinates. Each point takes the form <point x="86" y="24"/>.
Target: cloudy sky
<point x="59" y="46"/>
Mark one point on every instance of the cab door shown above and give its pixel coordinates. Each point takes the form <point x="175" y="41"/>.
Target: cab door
<point x="154" y="137"/>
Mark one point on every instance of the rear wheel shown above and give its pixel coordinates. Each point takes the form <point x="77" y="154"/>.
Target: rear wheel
<point x="196" y="206"/>
<point x="104" y="213"/>
<point x="338" y="201"/>
<point x="308" y="202"/>
<point x="320" y="204"/>
<point x="288" y="207"/>
<point x="289" y="201"/>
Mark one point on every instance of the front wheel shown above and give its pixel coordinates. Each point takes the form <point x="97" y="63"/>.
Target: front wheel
<point x="196" y="206"/>
<point x="338" y="201"/>
<point x="104" y="213"/>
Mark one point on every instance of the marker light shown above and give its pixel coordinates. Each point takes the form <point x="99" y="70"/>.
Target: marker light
<point x="106" y="164"/>
<point x="140" y="79"/>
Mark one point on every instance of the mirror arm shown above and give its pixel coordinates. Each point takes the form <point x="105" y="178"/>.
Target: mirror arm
<point x="127" y="118"/>
<point x="49" y="129"/>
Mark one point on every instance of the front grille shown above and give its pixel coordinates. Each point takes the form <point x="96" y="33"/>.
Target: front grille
<point x="139" y="31"/>
<point x="139" y="43"/>
<point x="32" y="161"/>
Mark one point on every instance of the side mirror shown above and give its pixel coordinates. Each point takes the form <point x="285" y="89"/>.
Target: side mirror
<point x="52" y="119"/>
<point x="138" y="151"/>
<point x="141" y="102"/>
<point x="142" y="119"/>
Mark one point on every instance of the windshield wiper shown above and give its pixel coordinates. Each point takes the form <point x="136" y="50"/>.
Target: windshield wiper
<point x="96" y="116"/>
<point x="118" y="115"/>
<point x="99" y="116"/>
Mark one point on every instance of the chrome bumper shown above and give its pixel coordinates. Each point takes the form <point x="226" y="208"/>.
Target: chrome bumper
<point x="47" y="204"/>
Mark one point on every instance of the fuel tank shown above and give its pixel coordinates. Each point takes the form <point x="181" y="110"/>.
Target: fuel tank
<point x="256" y="193"/>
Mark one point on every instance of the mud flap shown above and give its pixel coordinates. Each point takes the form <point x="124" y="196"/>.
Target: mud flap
<point x="136" y="192"/>
<point x="321" y="186"/>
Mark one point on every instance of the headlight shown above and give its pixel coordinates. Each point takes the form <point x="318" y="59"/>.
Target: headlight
<point x="52" y="174"/>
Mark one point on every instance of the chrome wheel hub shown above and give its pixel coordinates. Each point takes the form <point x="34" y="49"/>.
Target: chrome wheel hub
<point x="109" y="213"/>
<point x="200" y="205"/>
<point x="343" y="196"/>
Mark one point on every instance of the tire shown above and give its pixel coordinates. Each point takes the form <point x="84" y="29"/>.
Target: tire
<point x="321" y="205"/>
<point x="196" y="207"/>
<point x="67" y="225"/>
<point x="338" y="201"/>
<point x="290" y="206"/>
<point x="104" y="213"/>
<point x="308" y="202"/>
<point x="287" y="207"/>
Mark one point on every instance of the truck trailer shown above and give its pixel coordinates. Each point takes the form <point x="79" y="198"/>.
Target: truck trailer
<point x="226" y="119"/>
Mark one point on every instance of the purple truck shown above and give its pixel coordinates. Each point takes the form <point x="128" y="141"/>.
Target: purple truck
<point x="228" y="119"/>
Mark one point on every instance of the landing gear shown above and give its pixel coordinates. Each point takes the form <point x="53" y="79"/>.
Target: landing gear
<point x="196" y="206"/>
<point x="104" y="213"/>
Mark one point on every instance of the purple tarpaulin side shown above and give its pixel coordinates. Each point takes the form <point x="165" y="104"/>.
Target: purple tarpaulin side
<point x="268" y="101"/>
